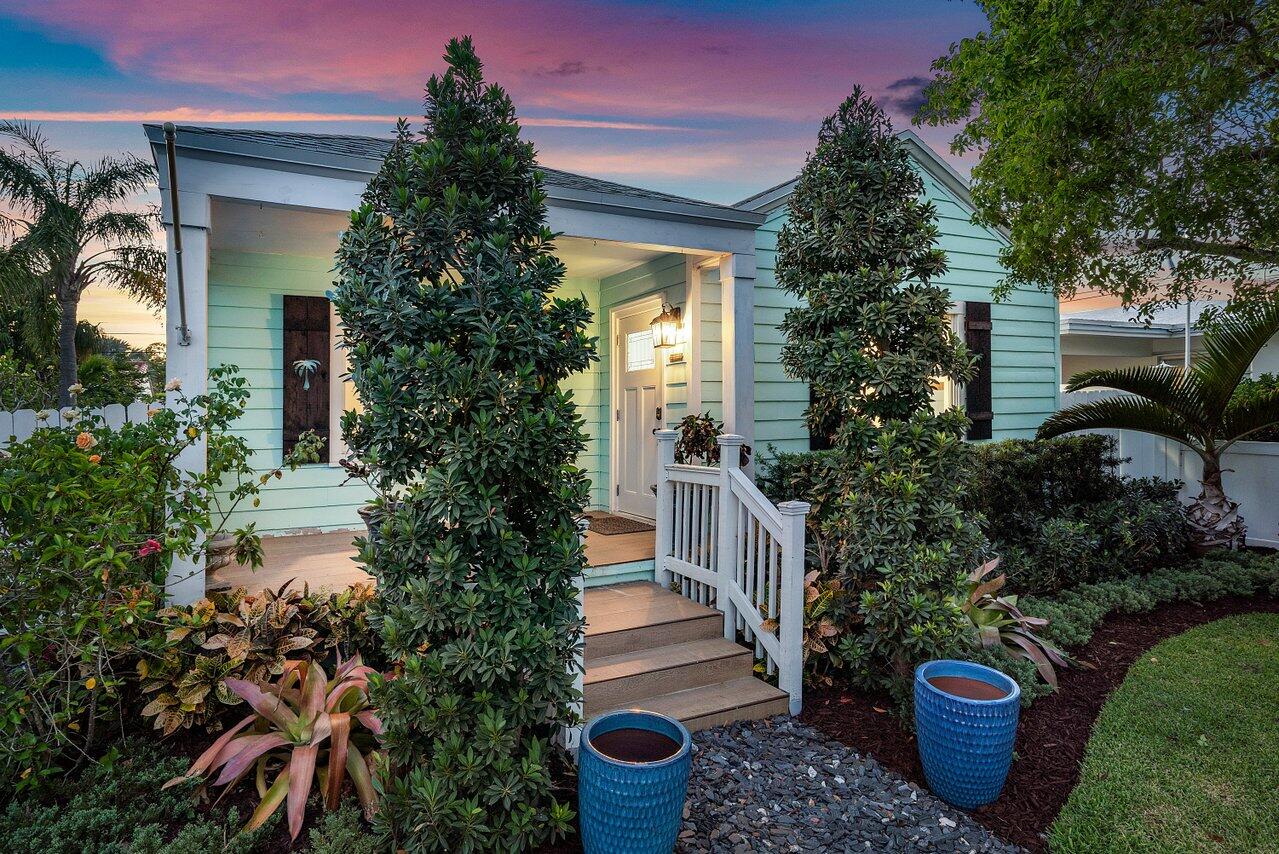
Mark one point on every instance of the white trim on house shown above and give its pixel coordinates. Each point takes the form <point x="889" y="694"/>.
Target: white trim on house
<point x="651" y="305"/>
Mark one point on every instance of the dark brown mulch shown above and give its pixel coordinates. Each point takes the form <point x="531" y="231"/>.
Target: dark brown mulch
<point x="1052" y="733"/>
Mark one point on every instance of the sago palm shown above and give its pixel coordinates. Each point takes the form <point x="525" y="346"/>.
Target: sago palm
<point x="66" y="225"/>
<point x="1192" y="407"/>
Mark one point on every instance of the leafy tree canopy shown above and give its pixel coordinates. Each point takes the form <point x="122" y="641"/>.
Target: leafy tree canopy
<point x="66" y="225"/>
<point x="1115" y="134"/>
<point x="458" y="346"/>
<point x="859" y="249"/>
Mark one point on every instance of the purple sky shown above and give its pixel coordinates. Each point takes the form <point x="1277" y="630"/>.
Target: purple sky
<point x="713" y="99"/>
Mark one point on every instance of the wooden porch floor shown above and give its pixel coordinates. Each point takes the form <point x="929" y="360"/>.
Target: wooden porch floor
<point x="326" y="560"/>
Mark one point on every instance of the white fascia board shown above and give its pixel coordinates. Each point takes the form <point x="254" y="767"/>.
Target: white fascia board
<point x="360" y="170"/>
<point x="1118" y="328"/>
<point x="223" y="179"/>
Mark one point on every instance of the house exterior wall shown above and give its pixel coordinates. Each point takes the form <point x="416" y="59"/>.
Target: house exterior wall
<point x="1025" y="357"/>
<point x="246" y="322"/>
<point x="246" y="313"/>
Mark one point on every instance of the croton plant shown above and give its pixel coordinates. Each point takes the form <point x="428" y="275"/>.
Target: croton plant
<point x="240" y="635"/>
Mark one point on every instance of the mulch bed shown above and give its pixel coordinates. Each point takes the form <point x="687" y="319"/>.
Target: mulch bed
<point x="1052" y="733"/>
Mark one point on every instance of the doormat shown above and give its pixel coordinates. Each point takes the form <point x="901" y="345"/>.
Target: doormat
<point x="609" y="524"/>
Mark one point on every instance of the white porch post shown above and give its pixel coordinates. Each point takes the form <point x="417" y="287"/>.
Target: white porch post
<point x="189" y="363"/>
<point x="665" y="534"/>
<point x="572" y="735"/>
<point x="730" y="458"/>
<point x="737" y="280"/>
<point x="790" y="675"/>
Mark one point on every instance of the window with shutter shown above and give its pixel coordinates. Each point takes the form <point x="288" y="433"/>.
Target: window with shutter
<point x="977" y="392"/>
<point x="307" y="358"/>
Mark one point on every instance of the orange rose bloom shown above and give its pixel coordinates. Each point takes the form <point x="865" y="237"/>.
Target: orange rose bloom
<point x="95" y="458"/>
<point x="85" y="440"/>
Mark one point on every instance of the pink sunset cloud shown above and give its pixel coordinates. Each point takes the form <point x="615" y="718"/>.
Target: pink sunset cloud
<point x="565" y="56"/>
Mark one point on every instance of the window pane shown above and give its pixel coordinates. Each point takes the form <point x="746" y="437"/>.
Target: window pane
<point x="639" y="351"/>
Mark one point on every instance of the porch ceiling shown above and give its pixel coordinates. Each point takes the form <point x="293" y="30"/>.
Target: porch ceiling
<point x="281" y="230"/>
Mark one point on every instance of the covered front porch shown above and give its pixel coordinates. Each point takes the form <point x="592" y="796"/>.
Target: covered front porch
<point x="261" y="218"/>
<point x="326" y="560"/>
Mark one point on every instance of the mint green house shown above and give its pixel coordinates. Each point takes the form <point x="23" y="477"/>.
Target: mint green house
<point x="259" y="216"/>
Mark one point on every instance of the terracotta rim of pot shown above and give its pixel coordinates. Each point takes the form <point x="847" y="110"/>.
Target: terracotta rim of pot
<point x="685" y="740"/>
<point x="968" y="670"/>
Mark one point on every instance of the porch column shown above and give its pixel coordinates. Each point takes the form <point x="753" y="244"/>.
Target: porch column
<point x="737" y="280"/>
<point x="189" y="363"/>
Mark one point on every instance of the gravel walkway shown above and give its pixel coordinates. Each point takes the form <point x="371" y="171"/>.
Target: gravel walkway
<point x="778" y="785"/>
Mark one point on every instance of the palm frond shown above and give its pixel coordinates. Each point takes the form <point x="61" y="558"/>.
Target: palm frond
<point x="115" y="227"/>
<point x="1244" y="418"/>
<point x="1120" y="413"/>
<point x="137" y="270"/>
<point x="1229" y="348"/>
<point x="1169" y="387"/>
<point x="35" y="151"/>
<point x="110" y="181"/>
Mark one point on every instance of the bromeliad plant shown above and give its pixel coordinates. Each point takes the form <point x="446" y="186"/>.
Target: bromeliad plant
<point x="1000" y="625"/>
<point x="301" y="716"/>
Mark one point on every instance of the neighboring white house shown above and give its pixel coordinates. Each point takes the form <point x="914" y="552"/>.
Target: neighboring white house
<point x="1095" y="338"/>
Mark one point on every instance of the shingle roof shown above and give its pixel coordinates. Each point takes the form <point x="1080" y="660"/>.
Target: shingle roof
<point x="365" y="153"/>
<point x="1166" y="320"/>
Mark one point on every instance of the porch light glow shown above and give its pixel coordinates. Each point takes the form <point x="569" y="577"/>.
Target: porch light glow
<point x="666" y="326"/>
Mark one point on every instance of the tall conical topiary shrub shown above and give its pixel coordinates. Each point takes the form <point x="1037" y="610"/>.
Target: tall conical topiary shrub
<point x="457" y="350"/>
<point x="871" y="336"/>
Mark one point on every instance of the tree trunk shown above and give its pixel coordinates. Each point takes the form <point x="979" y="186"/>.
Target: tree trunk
<point x="67" y="366"/>
<point x="1213" y="517"/>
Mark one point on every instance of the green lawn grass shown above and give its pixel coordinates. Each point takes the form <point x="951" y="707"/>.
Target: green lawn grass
<point x="1185" y="754"/>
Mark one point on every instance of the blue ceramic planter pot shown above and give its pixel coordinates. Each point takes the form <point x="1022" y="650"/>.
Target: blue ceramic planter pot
<point x="965" y="745"/>
<point x="631" y="807"/>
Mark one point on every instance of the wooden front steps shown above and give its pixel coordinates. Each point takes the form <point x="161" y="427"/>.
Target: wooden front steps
<point x="649" y="648"/>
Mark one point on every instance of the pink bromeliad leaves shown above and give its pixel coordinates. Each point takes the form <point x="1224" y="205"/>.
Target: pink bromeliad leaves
<point x="304" y="727"/>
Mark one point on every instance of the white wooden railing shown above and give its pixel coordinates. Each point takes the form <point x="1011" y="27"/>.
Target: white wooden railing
<point x="17" y="426"/>
<point x="720" y="542"/>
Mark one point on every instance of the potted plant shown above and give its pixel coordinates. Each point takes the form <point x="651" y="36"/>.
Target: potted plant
<point x="965" y="725"/>
<point x="632" y="777"/>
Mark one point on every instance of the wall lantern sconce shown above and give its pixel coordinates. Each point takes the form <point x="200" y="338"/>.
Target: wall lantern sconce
<point x="666" y="326"/>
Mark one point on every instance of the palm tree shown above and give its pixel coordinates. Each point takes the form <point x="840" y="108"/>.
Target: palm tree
<point x="1195" y="408"/>
<point x="68" y="226"/>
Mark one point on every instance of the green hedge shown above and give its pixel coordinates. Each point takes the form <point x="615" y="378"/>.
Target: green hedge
<point x="1058" y="514"/>
<point x="1074" y="614"/>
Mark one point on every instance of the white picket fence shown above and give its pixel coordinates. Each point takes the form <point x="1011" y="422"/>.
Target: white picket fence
<point x="1250" y="470"/>
<point x="17" y="426"/>
<point x="720" y="542"/>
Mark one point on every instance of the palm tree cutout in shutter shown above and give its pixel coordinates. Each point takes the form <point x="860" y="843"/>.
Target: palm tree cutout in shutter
<point x="306" y="368"/>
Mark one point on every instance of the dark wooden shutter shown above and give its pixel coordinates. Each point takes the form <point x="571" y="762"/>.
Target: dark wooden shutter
<point x="977" y="395"/>
<point x="306" y="336"/>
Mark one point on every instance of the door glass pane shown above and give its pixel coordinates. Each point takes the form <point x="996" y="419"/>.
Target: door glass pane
<point x="639" y="350"/>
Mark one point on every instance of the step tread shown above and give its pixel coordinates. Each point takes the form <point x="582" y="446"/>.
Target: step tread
<point x="693" y="703"/>
<point x="643" y="661"/>
<point x="625" y="607"/>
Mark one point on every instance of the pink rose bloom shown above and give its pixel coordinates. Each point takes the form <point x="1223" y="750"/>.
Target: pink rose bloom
<point x="150" y="547"/>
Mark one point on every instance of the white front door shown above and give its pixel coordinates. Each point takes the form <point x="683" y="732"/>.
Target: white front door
<point x="638" y="402"/>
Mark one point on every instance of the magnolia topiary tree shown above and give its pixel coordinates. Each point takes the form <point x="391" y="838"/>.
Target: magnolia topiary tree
<point x="457" y="351"/>
<point x="871" y="337"/>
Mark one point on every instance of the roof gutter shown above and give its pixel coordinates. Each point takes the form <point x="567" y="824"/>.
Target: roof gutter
<point x="170" y="148"/>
